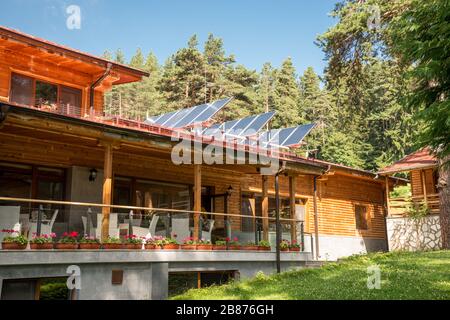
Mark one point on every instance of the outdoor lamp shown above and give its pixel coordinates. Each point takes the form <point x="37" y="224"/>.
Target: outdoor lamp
<point x="229" y="190"/>
<point x="92" y="174"/>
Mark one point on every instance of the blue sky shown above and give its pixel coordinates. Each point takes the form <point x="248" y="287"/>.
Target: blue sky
<point x="255" y="31"/>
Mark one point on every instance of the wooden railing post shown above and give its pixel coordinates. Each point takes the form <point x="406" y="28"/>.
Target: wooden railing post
<point x="197" y="198"/>
<point x="265" y="207"/>
<point x="424" y="187"/>
<point x="387" y="196"/>
<point x="292" y="185"/>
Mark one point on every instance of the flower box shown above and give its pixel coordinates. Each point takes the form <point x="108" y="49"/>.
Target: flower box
<point x="90" y="246"/>
<point x="219" y="247"/>
<point x="112" y="246"/>
<point x="151" y="246"/>
<point x="296" y="249"/>
<point x="13" y="246"/>
<point x="41" y="246"/>
<point x="66" y="246"/>
<point x="284" y="249"/>
<point x="133" y="246"/>
<point x="249" y="247"/>
<point x="263" y="248"/>
<point x="189" y="246"/>
<point x="234" y="247"/>
<point x="204" y="247"/>
<point x="171" y="246"/>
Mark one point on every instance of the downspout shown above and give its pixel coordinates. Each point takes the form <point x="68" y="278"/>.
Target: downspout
<point x="4" y="109"/>
<point x="96" y="84"/>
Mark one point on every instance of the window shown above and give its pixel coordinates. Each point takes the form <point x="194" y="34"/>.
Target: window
<point x="21" y="90"/>
<point x="48" y="96"/>
<point x="247" y="209"/>
<point x="361" y="217"/>
<point x="26" y="181"/>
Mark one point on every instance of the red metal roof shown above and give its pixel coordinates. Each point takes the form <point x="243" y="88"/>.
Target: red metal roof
<point x="420" y="159"/>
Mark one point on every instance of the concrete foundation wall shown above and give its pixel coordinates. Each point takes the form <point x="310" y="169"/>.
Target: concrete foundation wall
<point x="335" y="247"/>
<point x="410" y="234"/>
<point x="145" y="273"/>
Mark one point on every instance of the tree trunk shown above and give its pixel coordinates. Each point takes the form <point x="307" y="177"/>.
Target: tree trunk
<point x="444" y="201"/>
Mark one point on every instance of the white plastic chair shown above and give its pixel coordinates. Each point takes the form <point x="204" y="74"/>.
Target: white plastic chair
<point x="92" y="232"/>
<point x="147" y="232"/>
<point x="46" y="228"/>
<point x="206" y="235"/>
<point x="9" y="220"/>
<point x="180" y="227"/>
<point x="114" y="231"/>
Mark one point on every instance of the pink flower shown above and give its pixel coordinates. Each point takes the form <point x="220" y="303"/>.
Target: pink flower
<point x="227" y="239"/>
<point x="235" y="239"/>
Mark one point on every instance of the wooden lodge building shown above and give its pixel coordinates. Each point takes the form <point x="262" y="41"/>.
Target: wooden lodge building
<point x="57" y="145"/>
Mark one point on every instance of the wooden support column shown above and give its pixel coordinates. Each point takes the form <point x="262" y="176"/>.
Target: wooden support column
<point x="265" y="207"/>
<point x="292" y="187"/>
<point x="107" y="189"/>
<point x="388" y="213"/>
<point x="424" y="186"/>
<point x="197" y="198"/>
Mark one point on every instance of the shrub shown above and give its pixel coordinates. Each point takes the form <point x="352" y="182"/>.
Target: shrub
<point x="264" y="243"/>
<point x="14" y="237"/>
<point x="133" y="239"/>
<point x="43" y="238"/>
<point x="69" y="237"/>
<point x="112" y="240"/>
<point x="88" y="239"/>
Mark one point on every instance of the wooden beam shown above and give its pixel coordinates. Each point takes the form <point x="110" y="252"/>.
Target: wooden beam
<point x="292" y="187"/>
<point x="316" y="218"/>
<point x="197" y="198"/>
<point x="388" y="210"/>
<point x="107" y="189"/>
<point x="265" y="207"/>
<point x="424" y="187"/>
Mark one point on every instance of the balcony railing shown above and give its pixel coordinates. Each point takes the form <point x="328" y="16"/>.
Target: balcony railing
<point x="35" y="216"/>
<point x="399" y="207"/>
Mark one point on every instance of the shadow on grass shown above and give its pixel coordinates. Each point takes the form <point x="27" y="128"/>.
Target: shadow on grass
<point x="404" y="275"/>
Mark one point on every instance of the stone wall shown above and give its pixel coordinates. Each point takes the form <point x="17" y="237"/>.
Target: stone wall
<point x="410" y="234"/>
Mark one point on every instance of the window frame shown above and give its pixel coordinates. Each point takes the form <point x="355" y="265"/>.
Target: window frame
<point x="366" y="217"/>
<point x="58" y="85"/>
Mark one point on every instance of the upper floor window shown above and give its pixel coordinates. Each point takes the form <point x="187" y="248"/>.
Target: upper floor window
<point x="44" y="95"/>
<point x="361" y="217"/>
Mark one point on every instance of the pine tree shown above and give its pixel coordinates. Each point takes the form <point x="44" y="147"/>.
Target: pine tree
<point x="286" y="97"/>
<point x="266" y="89"/>
<point x="182" y="81"/>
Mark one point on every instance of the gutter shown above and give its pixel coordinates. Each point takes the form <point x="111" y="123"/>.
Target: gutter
<point x="96" y="84"/>
<point x="4" y="109"/>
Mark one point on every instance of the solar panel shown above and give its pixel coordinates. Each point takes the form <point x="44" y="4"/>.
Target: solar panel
<point x="189" y="116"/>
<point x="243" y="127"/>
<point x="298" y="135"/>
<point x="285" y="137"/>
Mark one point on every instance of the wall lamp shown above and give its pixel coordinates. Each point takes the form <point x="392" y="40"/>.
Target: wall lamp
<point x="92" y="175"/>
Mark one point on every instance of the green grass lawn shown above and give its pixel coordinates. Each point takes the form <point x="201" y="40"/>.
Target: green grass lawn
<point x="404" y="275"/>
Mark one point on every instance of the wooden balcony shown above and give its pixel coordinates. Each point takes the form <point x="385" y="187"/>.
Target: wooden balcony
<point x="398" y="207"/>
